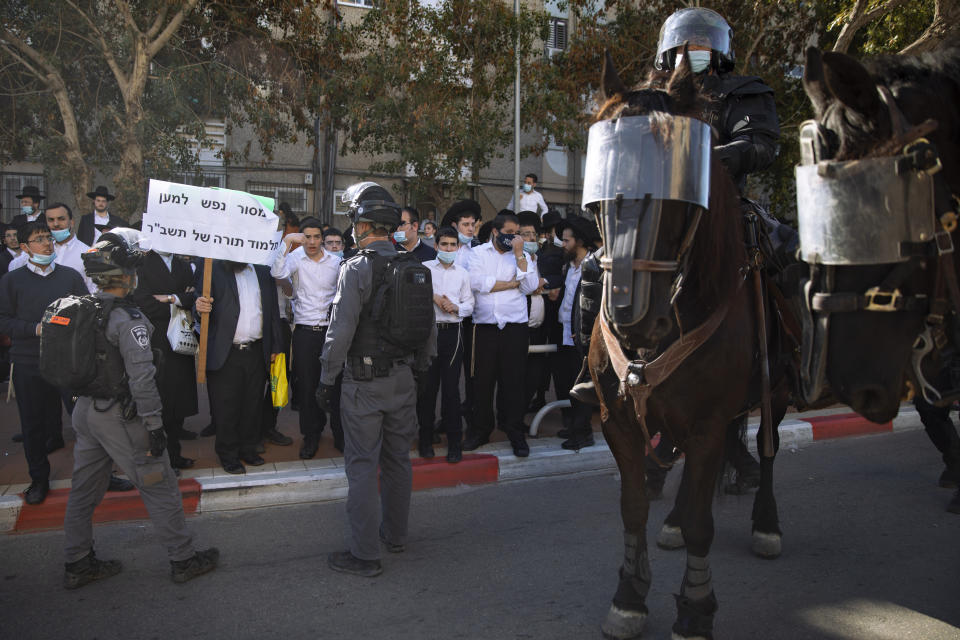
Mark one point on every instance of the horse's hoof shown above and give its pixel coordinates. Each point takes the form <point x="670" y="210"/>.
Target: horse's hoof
<point x="622" y="624"/>
<point x="766" y="545"/>
<point x="670" y="538"/>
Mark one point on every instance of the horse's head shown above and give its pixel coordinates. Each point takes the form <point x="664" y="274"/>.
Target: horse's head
<point x="867" y="229"/>
<point x="648" y="180"/>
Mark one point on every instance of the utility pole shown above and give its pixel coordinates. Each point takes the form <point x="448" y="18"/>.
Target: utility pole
<point x="516" y="115"/>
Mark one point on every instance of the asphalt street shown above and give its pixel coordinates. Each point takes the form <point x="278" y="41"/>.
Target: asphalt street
<point x="869" y="553"/>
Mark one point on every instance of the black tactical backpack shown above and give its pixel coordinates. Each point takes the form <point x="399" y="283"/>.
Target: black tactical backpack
<point x="402" y="303"/>
<point x="74" y="352"/>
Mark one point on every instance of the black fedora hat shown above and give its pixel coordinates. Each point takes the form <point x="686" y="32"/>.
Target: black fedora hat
<point x="100" y="191"/>
<point x="450" y="216"/>
<point x="30" y="191"/>
<point x="551" y="219"/>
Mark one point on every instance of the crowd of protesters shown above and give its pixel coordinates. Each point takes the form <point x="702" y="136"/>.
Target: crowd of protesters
<point x="499" y="285"/>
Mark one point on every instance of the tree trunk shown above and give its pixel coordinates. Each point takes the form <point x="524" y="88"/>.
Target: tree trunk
<point x="946" y="16"/>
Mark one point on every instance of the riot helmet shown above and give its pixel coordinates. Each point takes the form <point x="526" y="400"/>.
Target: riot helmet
<point x="116" y="254"/>
<point x="696" y="26"/>
<point x="369" y="202"/>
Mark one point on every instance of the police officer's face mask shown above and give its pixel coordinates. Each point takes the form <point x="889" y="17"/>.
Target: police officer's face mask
<point x="699" y="60"/>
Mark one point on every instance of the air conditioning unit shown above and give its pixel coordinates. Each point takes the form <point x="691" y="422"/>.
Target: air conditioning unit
<point x="308" y="178"/>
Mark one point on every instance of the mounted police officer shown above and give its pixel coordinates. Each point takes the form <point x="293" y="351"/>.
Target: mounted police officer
<point x="744" y="115"/>
<point x="117" y="420"/>
<point x="382" y="331"/>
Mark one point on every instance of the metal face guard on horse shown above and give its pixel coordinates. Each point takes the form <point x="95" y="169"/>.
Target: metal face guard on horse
<point x="674" y="348"/>
<point x="876" y="195"/>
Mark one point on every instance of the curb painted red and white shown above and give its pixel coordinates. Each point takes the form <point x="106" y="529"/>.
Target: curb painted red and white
<point x="298" y="482"/>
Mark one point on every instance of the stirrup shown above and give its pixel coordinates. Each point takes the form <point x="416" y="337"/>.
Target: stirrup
<point x="583" y="389"/>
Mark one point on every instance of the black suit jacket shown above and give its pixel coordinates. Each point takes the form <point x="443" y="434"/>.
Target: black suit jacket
<point x="5" y="260"/>
<point x="86" y="228"/>
<point x="153" y="277"/>
<point x="226" y="311"/>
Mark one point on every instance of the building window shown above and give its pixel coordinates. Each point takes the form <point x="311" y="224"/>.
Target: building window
<point x="557" y="40"/>
<point x="358" y="3"/>
<point x="201" y="179"/>
<point x="11" y="185"/>
<point x="210" y="154"/>
<point x="294" y="195"/>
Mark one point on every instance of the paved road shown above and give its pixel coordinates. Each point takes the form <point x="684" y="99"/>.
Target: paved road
<point x="869" y="553"/>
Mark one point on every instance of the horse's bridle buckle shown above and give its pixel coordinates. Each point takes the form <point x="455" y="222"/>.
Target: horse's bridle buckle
<point x="635" y="375"/>
<point x="878" y="300"/>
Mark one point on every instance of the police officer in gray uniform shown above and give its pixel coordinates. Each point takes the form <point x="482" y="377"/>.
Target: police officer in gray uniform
<point x="124" y="429"/>
<point x="378" y="399"/>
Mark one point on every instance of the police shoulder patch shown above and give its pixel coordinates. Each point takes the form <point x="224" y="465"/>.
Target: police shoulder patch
<point x="141" y="336"/>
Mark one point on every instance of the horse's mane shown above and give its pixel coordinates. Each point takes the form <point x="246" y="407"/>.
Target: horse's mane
<point x="717" y="253"/>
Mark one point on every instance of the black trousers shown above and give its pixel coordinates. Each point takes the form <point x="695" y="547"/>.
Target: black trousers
<point x="236" y="401"/>
<point x="40" y="416"/>
<point x="538" y="367"/>
<point x="937" y="423"/>
<point x="443" y="377"/>
<point x="466" y="327"/>
<point x="568" y="360"/>
<point x="500" y="363"/>
<point x="307" y="346"/>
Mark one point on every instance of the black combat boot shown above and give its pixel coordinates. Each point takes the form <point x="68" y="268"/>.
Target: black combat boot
<point x="198" y="564"/>
<point x="88" y="569"/>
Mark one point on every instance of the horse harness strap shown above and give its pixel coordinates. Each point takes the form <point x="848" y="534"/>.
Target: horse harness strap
<point x="644" y="265"/>
<point x="638" y="378"/>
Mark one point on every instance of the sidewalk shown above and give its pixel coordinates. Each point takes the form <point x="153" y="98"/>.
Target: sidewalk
<point x="286" y="479"/>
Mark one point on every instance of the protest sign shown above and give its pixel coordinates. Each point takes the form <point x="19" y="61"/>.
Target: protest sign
<point x="211" y="223"/>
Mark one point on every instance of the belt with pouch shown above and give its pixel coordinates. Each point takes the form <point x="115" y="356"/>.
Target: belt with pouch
<point x="447" y="325"/>
<point x="367" y="368"/>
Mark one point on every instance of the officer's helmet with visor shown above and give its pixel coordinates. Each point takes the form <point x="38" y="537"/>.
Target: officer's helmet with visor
<point x="696" y="26"/>
<point x="369" y="202"/>
<point x="116" y="254"/>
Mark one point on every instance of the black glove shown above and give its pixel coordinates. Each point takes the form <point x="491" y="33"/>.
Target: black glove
<point x="158" y="442"/>
<point x="325" y="396"/>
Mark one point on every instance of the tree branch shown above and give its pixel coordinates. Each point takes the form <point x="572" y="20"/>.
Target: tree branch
<point x="157" y="23"/>
<point x="111" y="60"/>
<point x="155" y="45"/>
<point x="128" y="17"/>
<point x="859" y="17"/>
<point x="946" y="14"/>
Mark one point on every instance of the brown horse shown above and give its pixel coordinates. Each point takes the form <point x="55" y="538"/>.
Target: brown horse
<point x="686" y="363"/>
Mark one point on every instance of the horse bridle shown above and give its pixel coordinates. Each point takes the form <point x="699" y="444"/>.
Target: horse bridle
<point x="916" y="154"/>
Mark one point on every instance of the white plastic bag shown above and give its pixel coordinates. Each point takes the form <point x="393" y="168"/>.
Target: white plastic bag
<point x="180" y="332"/>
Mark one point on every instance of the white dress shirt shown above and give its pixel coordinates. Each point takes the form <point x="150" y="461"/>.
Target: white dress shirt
<point x="68" y="254"/>
<point x="250" y="320"/>
<point x="463" y="256"/>
<point x="453" y="282"/>
<point x="569" y="299"/>
<point x="314" y="284"/>
<point x="99" y="220"/>
<point x="41" y="271"/>
<point x="15" y="254"/>
<point x="532" y="201"/>
<point x="486" y="267"/>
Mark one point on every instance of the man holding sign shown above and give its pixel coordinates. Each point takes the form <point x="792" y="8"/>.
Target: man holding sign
<point x="237" y="235"/>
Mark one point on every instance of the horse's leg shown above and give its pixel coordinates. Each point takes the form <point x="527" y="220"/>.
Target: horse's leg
<point x="670" y="536"/>
<point x="628" y="612"/>
<point x="767" y="536"/>
<point x="696" y="603"/>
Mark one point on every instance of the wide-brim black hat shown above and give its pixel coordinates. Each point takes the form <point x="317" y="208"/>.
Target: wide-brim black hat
<point x="458" y="207"/>
<point x="584" y="229"/>
<point x="30" y="191"/>
<point x="101" y="191"/>
<point x="529" y="219"/>
<point x="550" y="220"/>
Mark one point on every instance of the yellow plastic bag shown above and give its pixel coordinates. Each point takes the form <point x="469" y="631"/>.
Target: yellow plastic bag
<point x="279" y="389"/>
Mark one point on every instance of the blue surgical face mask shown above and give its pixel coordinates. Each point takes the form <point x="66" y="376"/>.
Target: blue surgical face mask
<point x="464" y="239"/>
<point x="60" y="235"/>
<point x="527" y="188"/>
<point x="43" y="259"/>
<point x="28" y="210"/>
<point x="530" y="247"/>
<point x="338" y="254"/>
<point x="699" y="60"/>
<point x="446" y="257"/>
<point x="400" y="236"/>
<point x="557" y="242"/>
